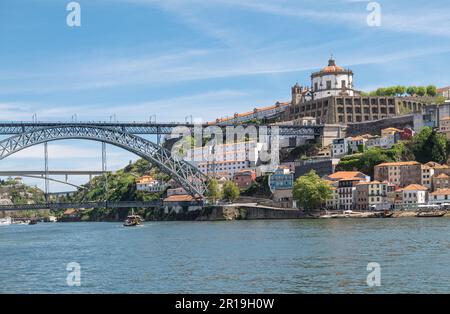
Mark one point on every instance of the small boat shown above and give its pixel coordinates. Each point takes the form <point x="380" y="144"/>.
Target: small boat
<point x="5" y="221"/>
<point x="33" y="222"/>
<point x="386" y="214"/>
<point x="132" y="220"/>
<point x="430" y="214"/>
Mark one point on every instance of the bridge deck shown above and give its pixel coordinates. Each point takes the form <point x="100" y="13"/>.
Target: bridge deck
<point x="16" y="127"/>
<point x="50" y="172"/>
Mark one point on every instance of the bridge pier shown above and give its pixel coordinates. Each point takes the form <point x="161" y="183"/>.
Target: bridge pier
<point x="104" y="170"/>
<point x="46" y="171"/>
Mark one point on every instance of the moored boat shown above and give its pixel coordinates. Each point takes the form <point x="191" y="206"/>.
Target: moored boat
<point x="430" y="214"/>
<point x="5" y="221"/>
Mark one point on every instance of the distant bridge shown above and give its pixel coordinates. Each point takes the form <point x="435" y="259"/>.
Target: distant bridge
<point x="102" y="204"/>
<point x="149" y="128"/>
<point x="45" y="175"/>
<point x="13" y="173"/>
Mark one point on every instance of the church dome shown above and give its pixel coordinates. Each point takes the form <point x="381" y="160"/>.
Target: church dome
<point x="332" y="67"/>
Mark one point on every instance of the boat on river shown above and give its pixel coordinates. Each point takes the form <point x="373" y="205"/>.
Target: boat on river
<point x="430" y="214"/>
<point x="132" y="220"/>
<point x="5" y="221"/>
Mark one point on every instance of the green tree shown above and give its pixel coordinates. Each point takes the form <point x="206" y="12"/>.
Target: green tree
<point x="310" y="191"/>
<point x="440" y="99"/>
<point x="431" y="90"/>
<point x="411" y="90"/>
<point x="421" y="91"/>
<point x="230" y="191"/>
<point x="214" y="193"/>
<point x="400" y="90"/>
<point x="422" y="144"/>
<point x="440" y="148"/>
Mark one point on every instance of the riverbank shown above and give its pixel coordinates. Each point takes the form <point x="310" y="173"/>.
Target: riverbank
<point x="238" y="211"/>
<point x="224" y="212"/>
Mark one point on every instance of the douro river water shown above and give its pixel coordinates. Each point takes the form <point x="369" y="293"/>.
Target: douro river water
<point x="410" y="255"/>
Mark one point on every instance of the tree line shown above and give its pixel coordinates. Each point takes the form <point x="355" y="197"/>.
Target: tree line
<point x="400" y="90"/>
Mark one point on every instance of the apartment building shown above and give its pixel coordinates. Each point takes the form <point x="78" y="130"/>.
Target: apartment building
<point x="373" y="195"/>
<point x="441" y="196"/>
<point x="150" y="185"/>
<point x="441" y="181"/>
<point x="225" y="160"/>
<point x="386" y="141"/>
<point x="427" y="176"/>
<point x="400" y="174"/>
<point x="281" y="183"/>
<point x="444" y="127"/>
<point x="333" y="201"/>
<point x="244" y="178"/>
<point x="345" y="184"/>
<point x="413" y="194"/>
<point x="348" y="145"/>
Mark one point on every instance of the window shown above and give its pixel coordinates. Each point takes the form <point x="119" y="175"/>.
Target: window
<point x="328" y="84"/>
<point x="316" y="86"/>
<point x="343" y="84"/>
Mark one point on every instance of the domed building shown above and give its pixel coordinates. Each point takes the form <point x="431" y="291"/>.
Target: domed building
<point x="332" y="80"/>
<point x="332" y="99"/>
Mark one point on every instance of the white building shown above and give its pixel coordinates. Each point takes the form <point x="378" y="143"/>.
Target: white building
<point x="332" y="80"/>
<point x="339" y="147"/>
<point x="413" y="194"/>
<point x="224" y="160"/>
<point x="381" y="141"/>
<point x="148" y="184"/>
<point x="349" y="145"/>
<point x="440" y="196"/>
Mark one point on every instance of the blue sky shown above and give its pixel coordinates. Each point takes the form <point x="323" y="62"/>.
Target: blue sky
<point x="137" y="58"/>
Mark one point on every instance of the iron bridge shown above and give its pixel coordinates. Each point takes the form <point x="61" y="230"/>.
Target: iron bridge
<point x="15" y="127"/>
<point x="186" y="174"/>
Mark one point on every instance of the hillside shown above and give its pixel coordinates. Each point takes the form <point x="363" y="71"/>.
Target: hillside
<point x="16" y="192"/>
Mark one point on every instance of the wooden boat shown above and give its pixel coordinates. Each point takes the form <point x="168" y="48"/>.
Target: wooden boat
<point x="132" y="220"/>
<point x="430" y="214"/>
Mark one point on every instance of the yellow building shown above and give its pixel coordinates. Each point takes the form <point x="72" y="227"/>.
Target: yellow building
<point x="389" y="131"/>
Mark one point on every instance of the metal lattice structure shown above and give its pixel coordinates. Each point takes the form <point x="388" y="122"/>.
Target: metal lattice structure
<point x="11" y="128"/>
<point x="187" y="175"/>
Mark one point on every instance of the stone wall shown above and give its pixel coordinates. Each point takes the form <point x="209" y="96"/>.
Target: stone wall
<point x="375" y="127"/>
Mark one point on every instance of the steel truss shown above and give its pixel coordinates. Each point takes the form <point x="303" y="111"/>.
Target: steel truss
<point x="10" y="128"/>
<point x="187" y="175"/>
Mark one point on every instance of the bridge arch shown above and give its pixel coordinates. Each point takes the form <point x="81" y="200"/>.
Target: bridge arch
<point x="183" y="172"/>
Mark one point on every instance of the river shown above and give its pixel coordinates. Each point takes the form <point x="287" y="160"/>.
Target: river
<point x="265" y="256"/>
